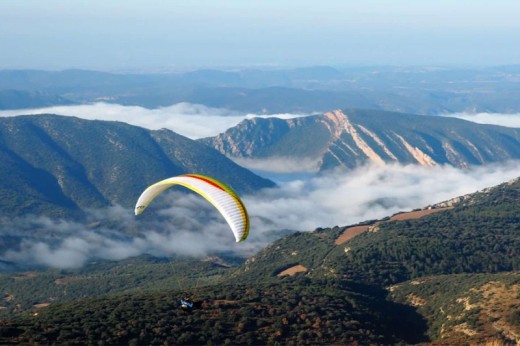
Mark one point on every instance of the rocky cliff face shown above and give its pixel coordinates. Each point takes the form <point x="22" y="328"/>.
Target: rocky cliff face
<point x="355" y="137"/>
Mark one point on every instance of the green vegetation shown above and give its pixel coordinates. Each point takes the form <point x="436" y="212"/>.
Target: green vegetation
<point x="142" y="274"/>
<point x="480" y="235"/>
<point x="307" y="249"/>
<point x="76" y="163"/>
<point x="293" y="312"/>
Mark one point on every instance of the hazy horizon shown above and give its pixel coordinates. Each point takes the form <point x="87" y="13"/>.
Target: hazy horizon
<point x="166" y="36"/>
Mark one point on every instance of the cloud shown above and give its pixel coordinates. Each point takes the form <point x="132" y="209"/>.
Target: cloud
<point x="508" y="120"/>
<point x="281" y="164"/>
<point x="185" y="224"/>
<point x="191" y="120"/>
<point x="370" y="192"/>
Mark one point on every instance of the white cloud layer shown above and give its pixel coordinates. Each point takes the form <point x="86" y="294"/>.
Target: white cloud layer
<point x="280" y="164"/>
<point x="187" y="225"/>
<point x="190" y="120"/>
<point x="508" y="120"/>
<point x="198" y="121"/>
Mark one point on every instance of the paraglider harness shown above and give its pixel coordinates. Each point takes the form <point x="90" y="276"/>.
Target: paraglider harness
<point x="186" y="303"/>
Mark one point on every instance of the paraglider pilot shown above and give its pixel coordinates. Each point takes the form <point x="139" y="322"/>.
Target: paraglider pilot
<point x="186" y="303"/>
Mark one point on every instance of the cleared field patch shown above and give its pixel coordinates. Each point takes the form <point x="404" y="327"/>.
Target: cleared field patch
<point x="351" y="232"/>
<point x="293" y="270"/>
<point x="417" y="214"/>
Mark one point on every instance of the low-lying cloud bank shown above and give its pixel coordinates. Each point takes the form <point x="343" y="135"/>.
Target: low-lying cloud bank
<point x="185" y="224"/>
<point x="190" y="120"/>
<point x="508" y="120"/>
<point x="199" y="121"/>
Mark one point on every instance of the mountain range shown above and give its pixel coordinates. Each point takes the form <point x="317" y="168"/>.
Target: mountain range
<point x="19" y="99"/>
<point x="418" y="90"/>
<point x="445" y="273"/>
<point x="350" y="138"/>
<point x="56" y="165"/>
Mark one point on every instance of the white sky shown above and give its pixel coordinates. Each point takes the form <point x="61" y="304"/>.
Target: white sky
<point x="155" y="35"/>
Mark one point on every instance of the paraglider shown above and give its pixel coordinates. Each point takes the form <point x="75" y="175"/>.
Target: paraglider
<point x="217" y="193"/>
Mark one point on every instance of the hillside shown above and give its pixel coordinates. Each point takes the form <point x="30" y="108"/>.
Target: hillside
<point x="447" y="274"/>
<point x="441" y="310"/>
<point x="57" y="165"/>
<point x="293" y="312"/>
<point x="26" y="291"/>
<point x="351" y="138"/>
<point x="18" y="99"/>
<point x="464" y="308"/>
<point x="479" y="234"/>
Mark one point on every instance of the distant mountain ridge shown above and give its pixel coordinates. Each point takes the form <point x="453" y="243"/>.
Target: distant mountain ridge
<point x="57" y="164"/>
<point x="18" y="99"/>
<point x="418" y="90"/>
<point x="351" y="138"/>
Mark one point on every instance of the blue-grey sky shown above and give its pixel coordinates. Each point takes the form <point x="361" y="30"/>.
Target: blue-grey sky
<point x="169" y="35"/>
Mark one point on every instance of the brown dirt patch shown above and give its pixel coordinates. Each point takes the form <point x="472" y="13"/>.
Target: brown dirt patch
<point x="350" y="233"/>
<point x="417" y="214"/>
<point x="354" y="231"/>
<point x="415" y="300"/>
<point x="293" y="270"/>
<point x="41" y="305"/>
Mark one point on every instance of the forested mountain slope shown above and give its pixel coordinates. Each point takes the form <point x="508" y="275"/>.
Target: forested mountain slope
<point x="320" y="287"/>
<point x="57" y="165"/>
<point x="479" y="233"/>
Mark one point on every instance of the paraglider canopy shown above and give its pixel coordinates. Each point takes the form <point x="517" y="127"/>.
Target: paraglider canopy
<point x="217" y="193"/>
